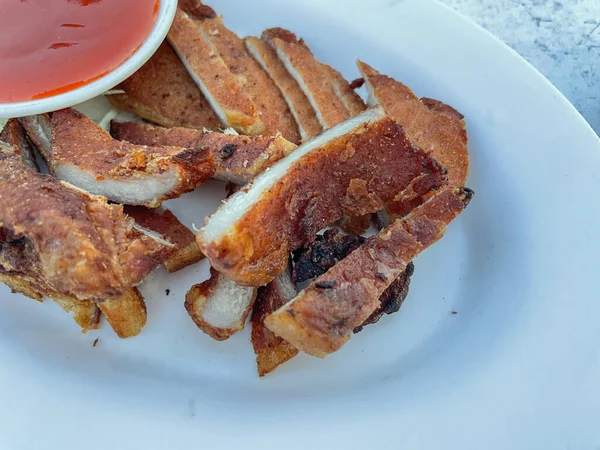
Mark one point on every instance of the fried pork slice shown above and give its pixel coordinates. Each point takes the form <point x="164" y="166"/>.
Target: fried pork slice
<point x="392" y="298"/>
<point x="126" y="314"/>
<point x="211" y="74"/>
<point x="238" y="159"/>
<point x="323" y="316"/>
<point x="433" y="126"/>
<point x="255" y="82"/>
<point x="86" y="156"/>
<point x="309" y="74"/>
<point x="342" y="88"/>
<point x="352" y="169"/>
<point x="298" y="104"/>
<point x="67" y="240"/>
<point x="329" y="249"/>
<point x="271" y="351"/>
<point x="219" y="306"/>
<point x="14" y="134"/>
<point x="165" y="223"/>
<point x="85" y="312"/>
<point x="162" y="92"/>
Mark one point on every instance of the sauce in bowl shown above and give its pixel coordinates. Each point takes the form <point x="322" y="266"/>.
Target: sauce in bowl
<point x="48" y="47"/>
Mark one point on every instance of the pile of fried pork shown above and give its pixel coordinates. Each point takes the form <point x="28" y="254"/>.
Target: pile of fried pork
<point x="309" y="167"/>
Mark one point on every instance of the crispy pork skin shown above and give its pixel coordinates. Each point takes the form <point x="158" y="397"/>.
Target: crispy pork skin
<point x="303" y="112"/>
<point x="323" y="316"/>
<point x="69" y="241"/>
<point x="165" y="223"/>
<point x="352" y="169"/>
<point x="86" y="156"/>
<point x="212" y="75"/>
<point x="238" y="159"/>
<point x="126" y="314"/>
<point x="162" y="92"/>
<point x="433" y="126"/>
<point x="219" y="306"/>
<point x="271" y="350"/>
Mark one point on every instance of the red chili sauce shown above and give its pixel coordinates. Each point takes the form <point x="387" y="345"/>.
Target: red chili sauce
<point x="48" y="47"/>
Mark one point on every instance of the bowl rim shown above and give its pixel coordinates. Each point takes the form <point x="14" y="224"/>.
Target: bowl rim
<point x="164" y="19"/>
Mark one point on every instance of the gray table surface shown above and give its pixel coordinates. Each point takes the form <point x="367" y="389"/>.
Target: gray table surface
<point x="561" y="38"/>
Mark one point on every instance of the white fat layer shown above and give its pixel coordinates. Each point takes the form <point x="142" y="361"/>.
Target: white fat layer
<point x="255" y="52"/>
<point x="229" y="304"/>
<point x="40" y="127"/>
<point x="340" y="95"/>
<point x="371" y="98"/>
<point x="146" y="191"/>
<point x="228" y="177"/>
<point x="287" y="289"/>
<point x="296" y="76"/>
<point x="153" y="234"/>
<point x="3" y="123"/>
<point x="231" y="132"/>
<point x="242" y="201"/>
<point x="211" y="100"/>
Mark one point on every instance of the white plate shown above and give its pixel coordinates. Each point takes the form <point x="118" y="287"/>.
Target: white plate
<point x="517" y="368"/>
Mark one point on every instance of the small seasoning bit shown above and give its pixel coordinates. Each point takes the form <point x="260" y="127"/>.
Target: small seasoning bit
<point x="325" y="284"/>
<point x="454" y="312"/>
<point x="227" y="151"/>
<point x="167" y="292"/>
<point x="95" y="342"/>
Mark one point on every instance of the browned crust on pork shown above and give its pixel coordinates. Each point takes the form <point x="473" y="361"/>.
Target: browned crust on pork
<point x="78" y="141"/>
<point x="353" y="174"/>
<point x="271" y="350"/>
<point x="165" y="223"/>
<point x="322" y="317"/>
<point x="237" y="158"/>
<point x="162" y="92"/>
<point x="196" y="299"/>
<point x="314" y="81"/>
<point x="14" y="134"/>
<point x="302" y="111"/>
<point x="183" y="257"/>
<point x="126" y="314"/>
<point x="65" y="239"/>
<point x="197" y="9"/>
<point x="356" y="225"/>
<point x="209" y="70"/>
<point x="433" y="126"/>
<point x="85" y="312"/>
<point x="351" y="100"/>
<point x="263" y="92"/>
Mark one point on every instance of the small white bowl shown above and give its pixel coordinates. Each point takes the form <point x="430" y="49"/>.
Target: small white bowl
<point x="166" y="13"/>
